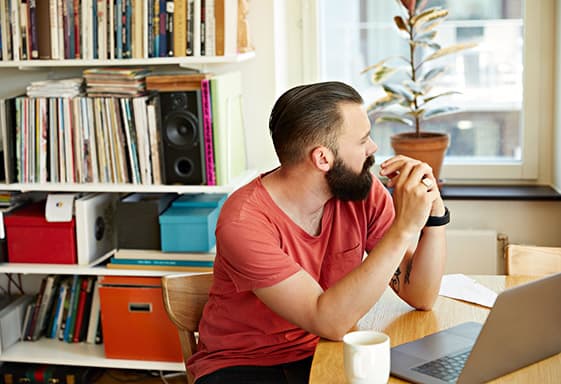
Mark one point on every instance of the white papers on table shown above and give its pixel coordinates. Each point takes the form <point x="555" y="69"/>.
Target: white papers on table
<point x="459" y="286"/>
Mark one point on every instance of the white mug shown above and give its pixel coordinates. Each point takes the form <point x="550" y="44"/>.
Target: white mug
<point x="366" y="357"/>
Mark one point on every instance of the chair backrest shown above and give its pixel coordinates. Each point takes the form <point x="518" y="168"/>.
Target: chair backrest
<point x="184" y="296"/>
<point x="532" y="260"/>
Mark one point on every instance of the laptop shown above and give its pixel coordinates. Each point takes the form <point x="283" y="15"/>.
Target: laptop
<point x="523" y="327"/>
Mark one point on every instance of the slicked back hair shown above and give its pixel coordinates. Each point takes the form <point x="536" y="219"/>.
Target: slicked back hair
<point x="307" y="116"/>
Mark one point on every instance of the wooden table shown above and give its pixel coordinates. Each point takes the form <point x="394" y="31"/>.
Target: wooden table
<point x="402" y="324"/>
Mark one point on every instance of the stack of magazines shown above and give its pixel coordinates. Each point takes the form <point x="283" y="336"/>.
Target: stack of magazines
<point x="56" y="88"/>
<point x="118" y="82"/>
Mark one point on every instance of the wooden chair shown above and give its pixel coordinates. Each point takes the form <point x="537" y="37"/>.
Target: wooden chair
<point x="532" y="260"/>
<point x="184" y="296"/>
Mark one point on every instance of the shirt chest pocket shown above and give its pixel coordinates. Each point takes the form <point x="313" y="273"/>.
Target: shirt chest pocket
<point x="338" y="264"/>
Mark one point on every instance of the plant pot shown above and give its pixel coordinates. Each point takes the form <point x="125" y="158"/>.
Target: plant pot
<point x="430" y="148"/>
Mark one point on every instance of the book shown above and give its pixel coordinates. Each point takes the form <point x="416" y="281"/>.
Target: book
<point x="72" y="305"/>
<point x="45" y="305"/>
<point x="161" y="262"/>
<point x="80" y="309"/>
<point x="159" y="267"/>
<point x="63" y="290"/>
<point x="8" y="122"/>
<point x="95" y="313"/>
<point x="226" y="27"/>
<point x="30" y="330"/>
<point x="228" y="126"/>
<point x="152" y="113"/>
<point x="155" y="254"/>
<point x="179" y="28"/>
<point x="207" y="133"/>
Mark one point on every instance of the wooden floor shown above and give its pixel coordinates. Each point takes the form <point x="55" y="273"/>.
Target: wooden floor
<point x="118" y="376"/>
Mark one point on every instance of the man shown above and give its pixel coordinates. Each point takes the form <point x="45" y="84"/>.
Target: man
<point x="289" y="262"/>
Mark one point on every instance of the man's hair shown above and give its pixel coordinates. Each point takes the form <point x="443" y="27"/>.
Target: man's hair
<point x="307" y="116"/>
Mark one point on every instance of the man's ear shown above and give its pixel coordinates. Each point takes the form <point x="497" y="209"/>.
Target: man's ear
<point x="322" y="158"/>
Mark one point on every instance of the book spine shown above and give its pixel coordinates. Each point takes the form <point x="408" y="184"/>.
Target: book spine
<point x="80" y="310"/>
<point x="181" y="263"/>
<point x="59" y="309"/>
<point x="33" y="29"/>
<point x="162" y="37"/>
<point x="207" y="133"/>
<point x="35" y="315"/>
<point x="179" y="29"/>
<point x="72" y="303"/>
<point x="169" y="27"/>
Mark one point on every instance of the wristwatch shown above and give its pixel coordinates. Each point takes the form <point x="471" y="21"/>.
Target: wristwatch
<point x="437" y="221"/>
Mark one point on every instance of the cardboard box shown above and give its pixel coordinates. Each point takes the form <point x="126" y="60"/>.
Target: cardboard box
<point x="134" y="321"/>
<point x="187" y="229"/>
<point x="137" y="219"/>
<point x="32" y="239"/>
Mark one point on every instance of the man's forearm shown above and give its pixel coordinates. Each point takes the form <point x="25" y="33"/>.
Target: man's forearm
<point x="417" y="280"/>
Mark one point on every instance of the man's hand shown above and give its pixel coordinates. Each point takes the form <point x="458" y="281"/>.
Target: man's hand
<point x="415" y="191"/>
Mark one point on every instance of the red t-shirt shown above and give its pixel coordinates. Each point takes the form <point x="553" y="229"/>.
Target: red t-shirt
<point x="258" y="245"/>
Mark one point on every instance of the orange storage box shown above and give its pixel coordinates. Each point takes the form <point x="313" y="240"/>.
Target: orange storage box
<point x="134" y="321"/>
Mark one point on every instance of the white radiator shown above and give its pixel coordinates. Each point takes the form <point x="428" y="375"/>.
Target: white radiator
<point x="473" y="251"/>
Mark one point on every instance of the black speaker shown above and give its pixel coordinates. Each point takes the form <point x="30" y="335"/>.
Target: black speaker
<point x="182" y="138"/>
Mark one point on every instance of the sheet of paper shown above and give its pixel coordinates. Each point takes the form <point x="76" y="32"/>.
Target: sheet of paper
<point x="459" y="286"/>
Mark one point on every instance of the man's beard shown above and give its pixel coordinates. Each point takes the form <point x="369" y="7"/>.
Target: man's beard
<point x="347" y="185"/>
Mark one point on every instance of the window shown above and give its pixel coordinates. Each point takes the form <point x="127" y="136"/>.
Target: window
<point x="495" y="134"/>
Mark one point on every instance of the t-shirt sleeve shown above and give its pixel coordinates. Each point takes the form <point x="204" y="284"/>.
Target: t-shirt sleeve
<point x="251" y="254"/>
<point x="381" y="213"/>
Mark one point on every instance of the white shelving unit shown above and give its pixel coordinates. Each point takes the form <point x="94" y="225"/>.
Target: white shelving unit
<point x="126" y="188"/>
<point x="184" y="62"/>
<point x="48" y="351"/>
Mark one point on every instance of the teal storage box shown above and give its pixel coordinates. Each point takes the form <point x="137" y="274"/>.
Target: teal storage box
<point x="201" y="200"/>
<point x="188" y="229"/>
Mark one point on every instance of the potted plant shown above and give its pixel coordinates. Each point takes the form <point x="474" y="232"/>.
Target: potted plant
<point x="409" y="98"/>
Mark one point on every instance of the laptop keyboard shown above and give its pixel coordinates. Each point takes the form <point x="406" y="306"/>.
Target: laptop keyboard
<point x="446" y="368"/>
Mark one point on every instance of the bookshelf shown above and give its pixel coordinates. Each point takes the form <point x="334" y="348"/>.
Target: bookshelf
<point x="17" y="74"/>
<point x="182" y="62"/>
<point x="48" y="351"/>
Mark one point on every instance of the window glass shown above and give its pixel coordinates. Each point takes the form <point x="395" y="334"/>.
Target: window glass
<point x="488" y="129"/>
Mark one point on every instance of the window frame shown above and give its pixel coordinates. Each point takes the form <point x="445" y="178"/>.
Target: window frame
<point x="537" y="106"/>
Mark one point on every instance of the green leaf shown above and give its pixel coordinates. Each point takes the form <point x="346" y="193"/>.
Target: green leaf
<point x="382" y="73"/>
<point x="449" y="50"/>
<point x="433" y="74"/>
<point x="400" y="24"/>
<point x="398" y="90"/>
<point x="440" y="112"/>
<point x="429" y="99"/>
<point x="386" y="101"/>
<point x="393" y="119"/>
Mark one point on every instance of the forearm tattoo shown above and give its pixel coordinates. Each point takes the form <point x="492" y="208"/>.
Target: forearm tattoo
<point x="395" y="281"/>
<point x="408" y="269"/>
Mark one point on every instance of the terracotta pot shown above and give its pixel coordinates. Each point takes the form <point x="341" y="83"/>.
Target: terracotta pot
<point x="430" y="147"/>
